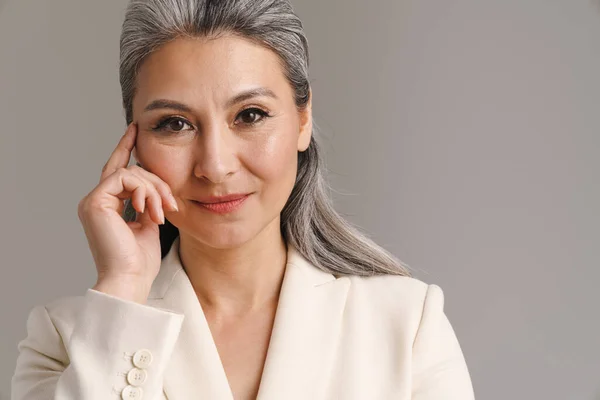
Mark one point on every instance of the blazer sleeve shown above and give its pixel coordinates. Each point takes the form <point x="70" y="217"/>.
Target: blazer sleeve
<point x="439" y="368"/>
<point x="115" y="346"/>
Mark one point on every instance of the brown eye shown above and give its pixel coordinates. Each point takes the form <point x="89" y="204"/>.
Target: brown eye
<point x="251" y="116"/>
<point x="176" y="124"/>
<point x="173" y="124"/>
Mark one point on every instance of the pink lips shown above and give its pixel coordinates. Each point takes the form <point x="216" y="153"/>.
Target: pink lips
<point x="223" y="205"/>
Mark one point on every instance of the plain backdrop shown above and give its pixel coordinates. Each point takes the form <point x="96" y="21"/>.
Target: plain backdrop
<point x="462" y="135"/>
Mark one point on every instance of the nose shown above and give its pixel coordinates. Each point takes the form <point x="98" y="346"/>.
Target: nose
<point x="216" y="158"/>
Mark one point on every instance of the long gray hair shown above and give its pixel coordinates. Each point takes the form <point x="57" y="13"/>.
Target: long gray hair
<point x="308" y="220"/>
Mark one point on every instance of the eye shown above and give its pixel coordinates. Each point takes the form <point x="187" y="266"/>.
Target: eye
<point x="173" y="124"/>
<point x="252" y="116"/>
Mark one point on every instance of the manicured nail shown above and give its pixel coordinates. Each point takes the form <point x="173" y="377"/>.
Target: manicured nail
<point x="173" y="202"/>
<point x="161" y="216"/>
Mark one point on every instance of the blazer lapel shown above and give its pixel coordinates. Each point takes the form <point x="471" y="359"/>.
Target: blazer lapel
<point x="306" y="327"/>
<point x="195" y="370"/>
<point x="302" y="345"/>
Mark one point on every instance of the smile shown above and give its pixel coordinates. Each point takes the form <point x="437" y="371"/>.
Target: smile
<point x="224" y="207"/>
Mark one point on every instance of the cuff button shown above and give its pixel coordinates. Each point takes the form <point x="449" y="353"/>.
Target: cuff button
<point x="131" y="392"/>
<point x="142" y="358"/>
<point x="136" y="376"/>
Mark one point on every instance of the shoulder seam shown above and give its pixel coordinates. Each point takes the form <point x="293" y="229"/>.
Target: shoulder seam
<point x="422" y="316"/>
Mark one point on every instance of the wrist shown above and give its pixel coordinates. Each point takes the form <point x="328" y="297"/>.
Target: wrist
<point x="124" y="288"/>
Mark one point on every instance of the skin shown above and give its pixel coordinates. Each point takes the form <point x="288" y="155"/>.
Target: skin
<point x="235" y="261"/>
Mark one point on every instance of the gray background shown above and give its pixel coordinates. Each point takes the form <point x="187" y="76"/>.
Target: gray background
<point x="462" y="135"/>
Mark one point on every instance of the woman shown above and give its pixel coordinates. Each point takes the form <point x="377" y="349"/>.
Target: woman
<point x="230" y="275"/>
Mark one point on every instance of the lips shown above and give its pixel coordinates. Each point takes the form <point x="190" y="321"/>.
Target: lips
<point x="221" y="199"/>
<point x="231" y="204"/>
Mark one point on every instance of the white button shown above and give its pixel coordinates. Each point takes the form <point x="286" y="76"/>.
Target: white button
<point x="142" y="358"/>
<point x="136" y="377"/>
<point x="131" y="392"/>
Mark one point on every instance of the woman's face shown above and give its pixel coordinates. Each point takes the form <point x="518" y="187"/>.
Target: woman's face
<point x="217" y="117"/>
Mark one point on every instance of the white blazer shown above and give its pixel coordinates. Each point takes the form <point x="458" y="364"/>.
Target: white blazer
<point x="351" y="338"/>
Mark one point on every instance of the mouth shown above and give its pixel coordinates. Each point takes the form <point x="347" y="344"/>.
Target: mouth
<point x="222" y="199"/>
<point x="224" y="204"/>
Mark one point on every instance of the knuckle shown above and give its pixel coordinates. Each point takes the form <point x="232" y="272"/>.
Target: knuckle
<point x="85" y="206"/>
<point x="166" y="188"/>
<point x="157" y="196"/>
<point x="159" y="187"/>
<point x="81" y="207"/>
<point x="92" y="207"/>
<point x="121" y="172"/>
<point x="137" y="173"/>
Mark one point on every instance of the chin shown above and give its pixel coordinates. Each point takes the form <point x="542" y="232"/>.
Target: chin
<point x="222" y="237"/>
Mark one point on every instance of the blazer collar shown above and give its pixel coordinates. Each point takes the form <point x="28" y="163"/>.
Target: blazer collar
<point x="302" y="344"/>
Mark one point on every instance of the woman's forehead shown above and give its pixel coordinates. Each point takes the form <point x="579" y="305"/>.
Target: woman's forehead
<point x="215" y="67"/>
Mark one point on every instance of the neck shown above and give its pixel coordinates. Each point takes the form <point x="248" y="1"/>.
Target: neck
<point x="239" y="280"/>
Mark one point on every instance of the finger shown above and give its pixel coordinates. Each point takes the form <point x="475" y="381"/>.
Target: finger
<point x="145" y="220"/>
<point x="134" y="224"/>
<point x="156" y="205"/>
<point x="123" y="184"/>
<point x="154" y="198"/>
<point x="161" y="186"/>
<point x="121" y="154"/>
<point x="138" y="199"/>
<point x="145" y="198"/>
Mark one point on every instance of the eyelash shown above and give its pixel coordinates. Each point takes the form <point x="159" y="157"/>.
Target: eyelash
<point x="163" y="123"/>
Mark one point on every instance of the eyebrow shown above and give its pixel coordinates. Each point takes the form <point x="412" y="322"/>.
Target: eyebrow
<point x="246" y="95"/>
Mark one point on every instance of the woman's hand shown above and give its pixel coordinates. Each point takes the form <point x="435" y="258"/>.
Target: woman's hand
<point x="127" y="254"/>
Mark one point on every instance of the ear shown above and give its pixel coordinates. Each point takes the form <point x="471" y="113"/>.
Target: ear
<point x="306" y="124"/>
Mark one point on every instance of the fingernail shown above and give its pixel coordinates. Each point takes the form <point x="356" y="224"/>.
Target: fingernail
<point x="173" y="202"/>
<point x="130" y="128"/>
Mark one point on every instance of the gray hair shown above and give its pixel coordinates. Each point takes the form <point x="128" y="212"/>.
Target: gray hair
<point x="308" y="220"/>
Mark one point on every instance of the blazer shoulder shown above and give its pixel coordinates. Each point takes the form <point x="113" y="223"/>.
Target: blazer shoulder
<point x="396" y="298"/>
<point x="396" y="287"/>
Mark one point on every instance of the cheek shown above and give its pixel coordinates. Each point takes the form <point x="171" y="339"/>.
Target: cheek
<point x="273" y="160"/>
<point x="158" y="159"/>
